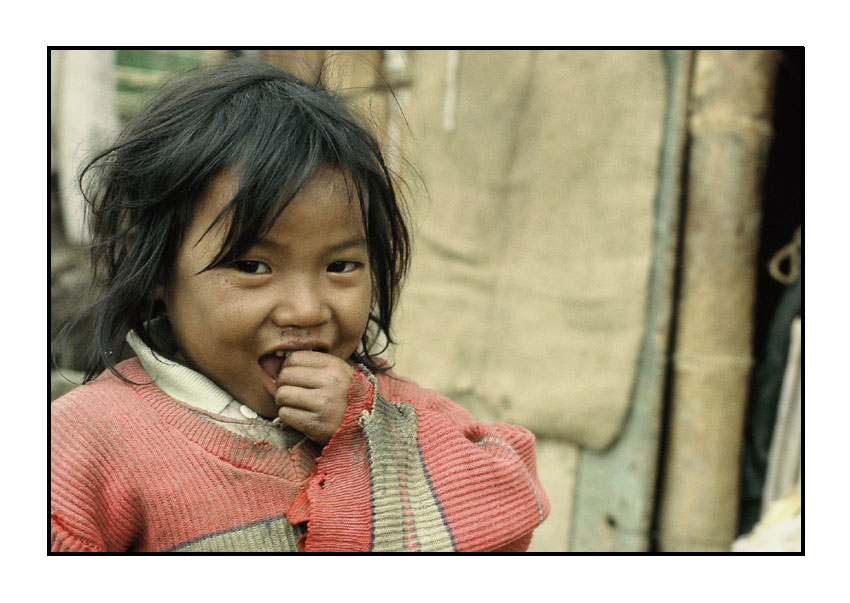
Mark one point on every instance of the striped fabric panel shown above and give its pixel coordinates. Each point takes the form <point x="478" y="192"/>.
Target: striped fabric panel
<point x="406" y="513"/>
<point x="272" y="535"/>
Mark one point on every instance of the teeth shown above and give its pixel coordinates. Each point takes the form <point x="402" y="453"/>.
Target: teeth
<point x="280" y="353"/>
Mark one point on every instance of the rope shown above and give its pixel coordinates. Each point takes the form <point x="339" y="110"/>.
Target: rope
<point x="790" y="252"/>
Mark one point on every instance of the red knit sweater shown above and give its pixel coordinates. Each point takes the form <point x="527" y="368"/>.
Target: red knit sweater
<point x="132" y="469"/>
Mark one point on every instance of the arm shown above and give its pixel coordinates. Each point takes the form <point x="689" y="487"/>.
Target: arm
<point x="63" y="541"/>
<point x="418" y="473"/>
<point x="79" y="480"/>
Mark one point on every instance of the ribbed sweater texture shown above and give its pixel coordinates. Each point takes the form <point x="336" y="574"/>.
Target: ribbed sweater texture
<point x="408" y="470"/>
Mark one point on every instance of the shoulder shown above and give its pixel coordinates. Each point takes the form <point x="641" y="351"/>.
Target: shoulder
<point x="396" y="388"/>
<point x="107" y="385"/>
<point x="97" y="435"/>
<point x="391" y="385"/>
<point x="97" y="429"/>
<point x="104" y="400"/>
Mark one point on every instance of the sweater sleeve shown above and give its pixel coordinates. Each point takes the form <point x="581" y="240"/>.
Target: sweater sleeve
<point x="410" y="470"/>
<point x="89" y="501"/>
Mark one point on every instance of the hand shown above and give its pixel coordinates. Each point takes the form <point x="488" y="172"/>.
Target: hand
<point x="312" y="393"/>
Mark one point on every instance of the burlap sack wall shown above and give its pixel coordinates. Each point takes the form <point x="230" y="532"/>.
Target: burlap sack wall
<point x="527" y="296"/>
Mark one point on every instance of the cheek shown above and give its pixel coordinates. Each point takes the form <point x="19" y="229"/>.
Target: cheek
<point x="360" y="312"/>
<point x="207" y="312"/>
<point x="354" y="317"/>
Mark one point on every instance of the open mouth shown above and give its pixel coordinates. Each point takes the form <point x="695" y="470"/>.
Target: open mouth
<point x="271" y="363"/>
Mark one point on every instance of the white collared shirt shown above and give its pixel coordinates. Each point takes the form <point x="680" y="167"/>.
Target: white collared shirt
<point x="194" y="389"/>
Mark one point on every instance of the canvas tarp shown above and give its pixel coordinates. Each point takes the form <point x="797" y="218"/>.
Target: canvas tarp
<point x="527" y="296"/>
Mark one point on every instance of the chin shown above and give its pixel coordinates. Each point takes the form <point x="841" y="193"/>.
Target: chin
<point x="260" y="399"/>
<point x="265" y="408"/>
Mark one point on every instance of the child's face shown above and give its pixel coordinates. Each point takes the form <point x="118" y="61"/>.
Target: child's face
<point x="306" y="285"/>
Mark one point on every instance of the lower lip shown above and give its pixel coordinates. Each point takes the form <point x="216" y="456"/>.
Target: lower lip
<point x="269" y="383"/>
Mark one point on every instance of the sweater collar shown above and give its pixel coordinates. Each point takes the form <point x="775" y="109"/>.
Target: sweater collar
<point x="176" y="380"/>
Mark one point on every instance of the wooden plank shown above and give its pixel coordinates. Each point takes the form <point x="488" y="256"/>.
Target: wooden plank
<point x="85" y="118"/>
<point x="359" y="76"/>
<point x="355" y="72"/>
<point x="304" y="63"/>
<point x="731" y="131"/>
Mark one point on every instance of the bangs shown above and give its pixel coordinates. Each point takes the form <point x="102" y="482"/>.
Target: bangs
<point x="287" y="142"/>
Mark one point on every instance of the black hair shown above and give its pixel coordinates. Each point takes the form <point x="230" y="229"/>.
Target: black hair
<point x="277" y="130"/>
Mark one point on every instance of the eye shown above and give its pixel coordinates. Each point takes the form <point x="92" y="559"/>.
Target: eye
<point x="342" y="266"/>
<point x="251" y="267"/>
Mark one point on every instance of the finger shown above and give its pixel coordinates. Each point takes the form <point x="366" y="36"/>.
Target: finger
<point x="306" y="422"/>
<point x="337" y="374"/>
<point x="308" y="358"/>
<point x="302" y="376"/>
<point x="298" y="397"/>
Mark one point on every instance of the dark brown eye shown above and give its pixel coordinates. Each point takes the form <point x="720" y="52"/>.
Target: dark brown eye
<point x="251" y="267"/>
<point x="342" y="266"/>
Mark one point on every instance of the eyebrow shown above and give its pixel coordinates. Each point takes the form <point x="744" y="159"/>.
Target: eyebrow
<point x="358" y="241"/>
<point x="353" y="242"/>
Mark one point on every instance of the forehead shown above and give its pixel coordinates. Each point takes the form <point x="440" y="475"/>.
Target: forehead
<point x="328" y="197"/>
<point x="220" y="190"/>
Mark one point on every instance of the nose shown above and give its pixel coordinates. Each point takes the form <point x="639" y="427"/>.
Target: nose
<point x="299" y="303"/>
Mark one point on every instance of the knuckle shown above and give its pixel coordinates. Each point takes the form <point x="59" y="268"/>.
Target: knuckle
<point x="312" y="426"/>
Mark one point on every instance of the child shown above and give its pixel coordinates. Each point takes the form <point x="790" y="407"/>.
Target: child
<point x="253" y="249"/>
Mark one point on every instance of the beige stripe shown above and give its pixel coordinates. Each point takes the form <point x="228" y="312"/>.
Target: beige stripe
<point x="394" y="457"/>
<point x="270" y="535"/>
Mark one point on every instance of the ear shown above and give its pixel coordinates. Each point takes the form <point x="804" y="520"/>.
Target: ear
<point x="160" y="289"/>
